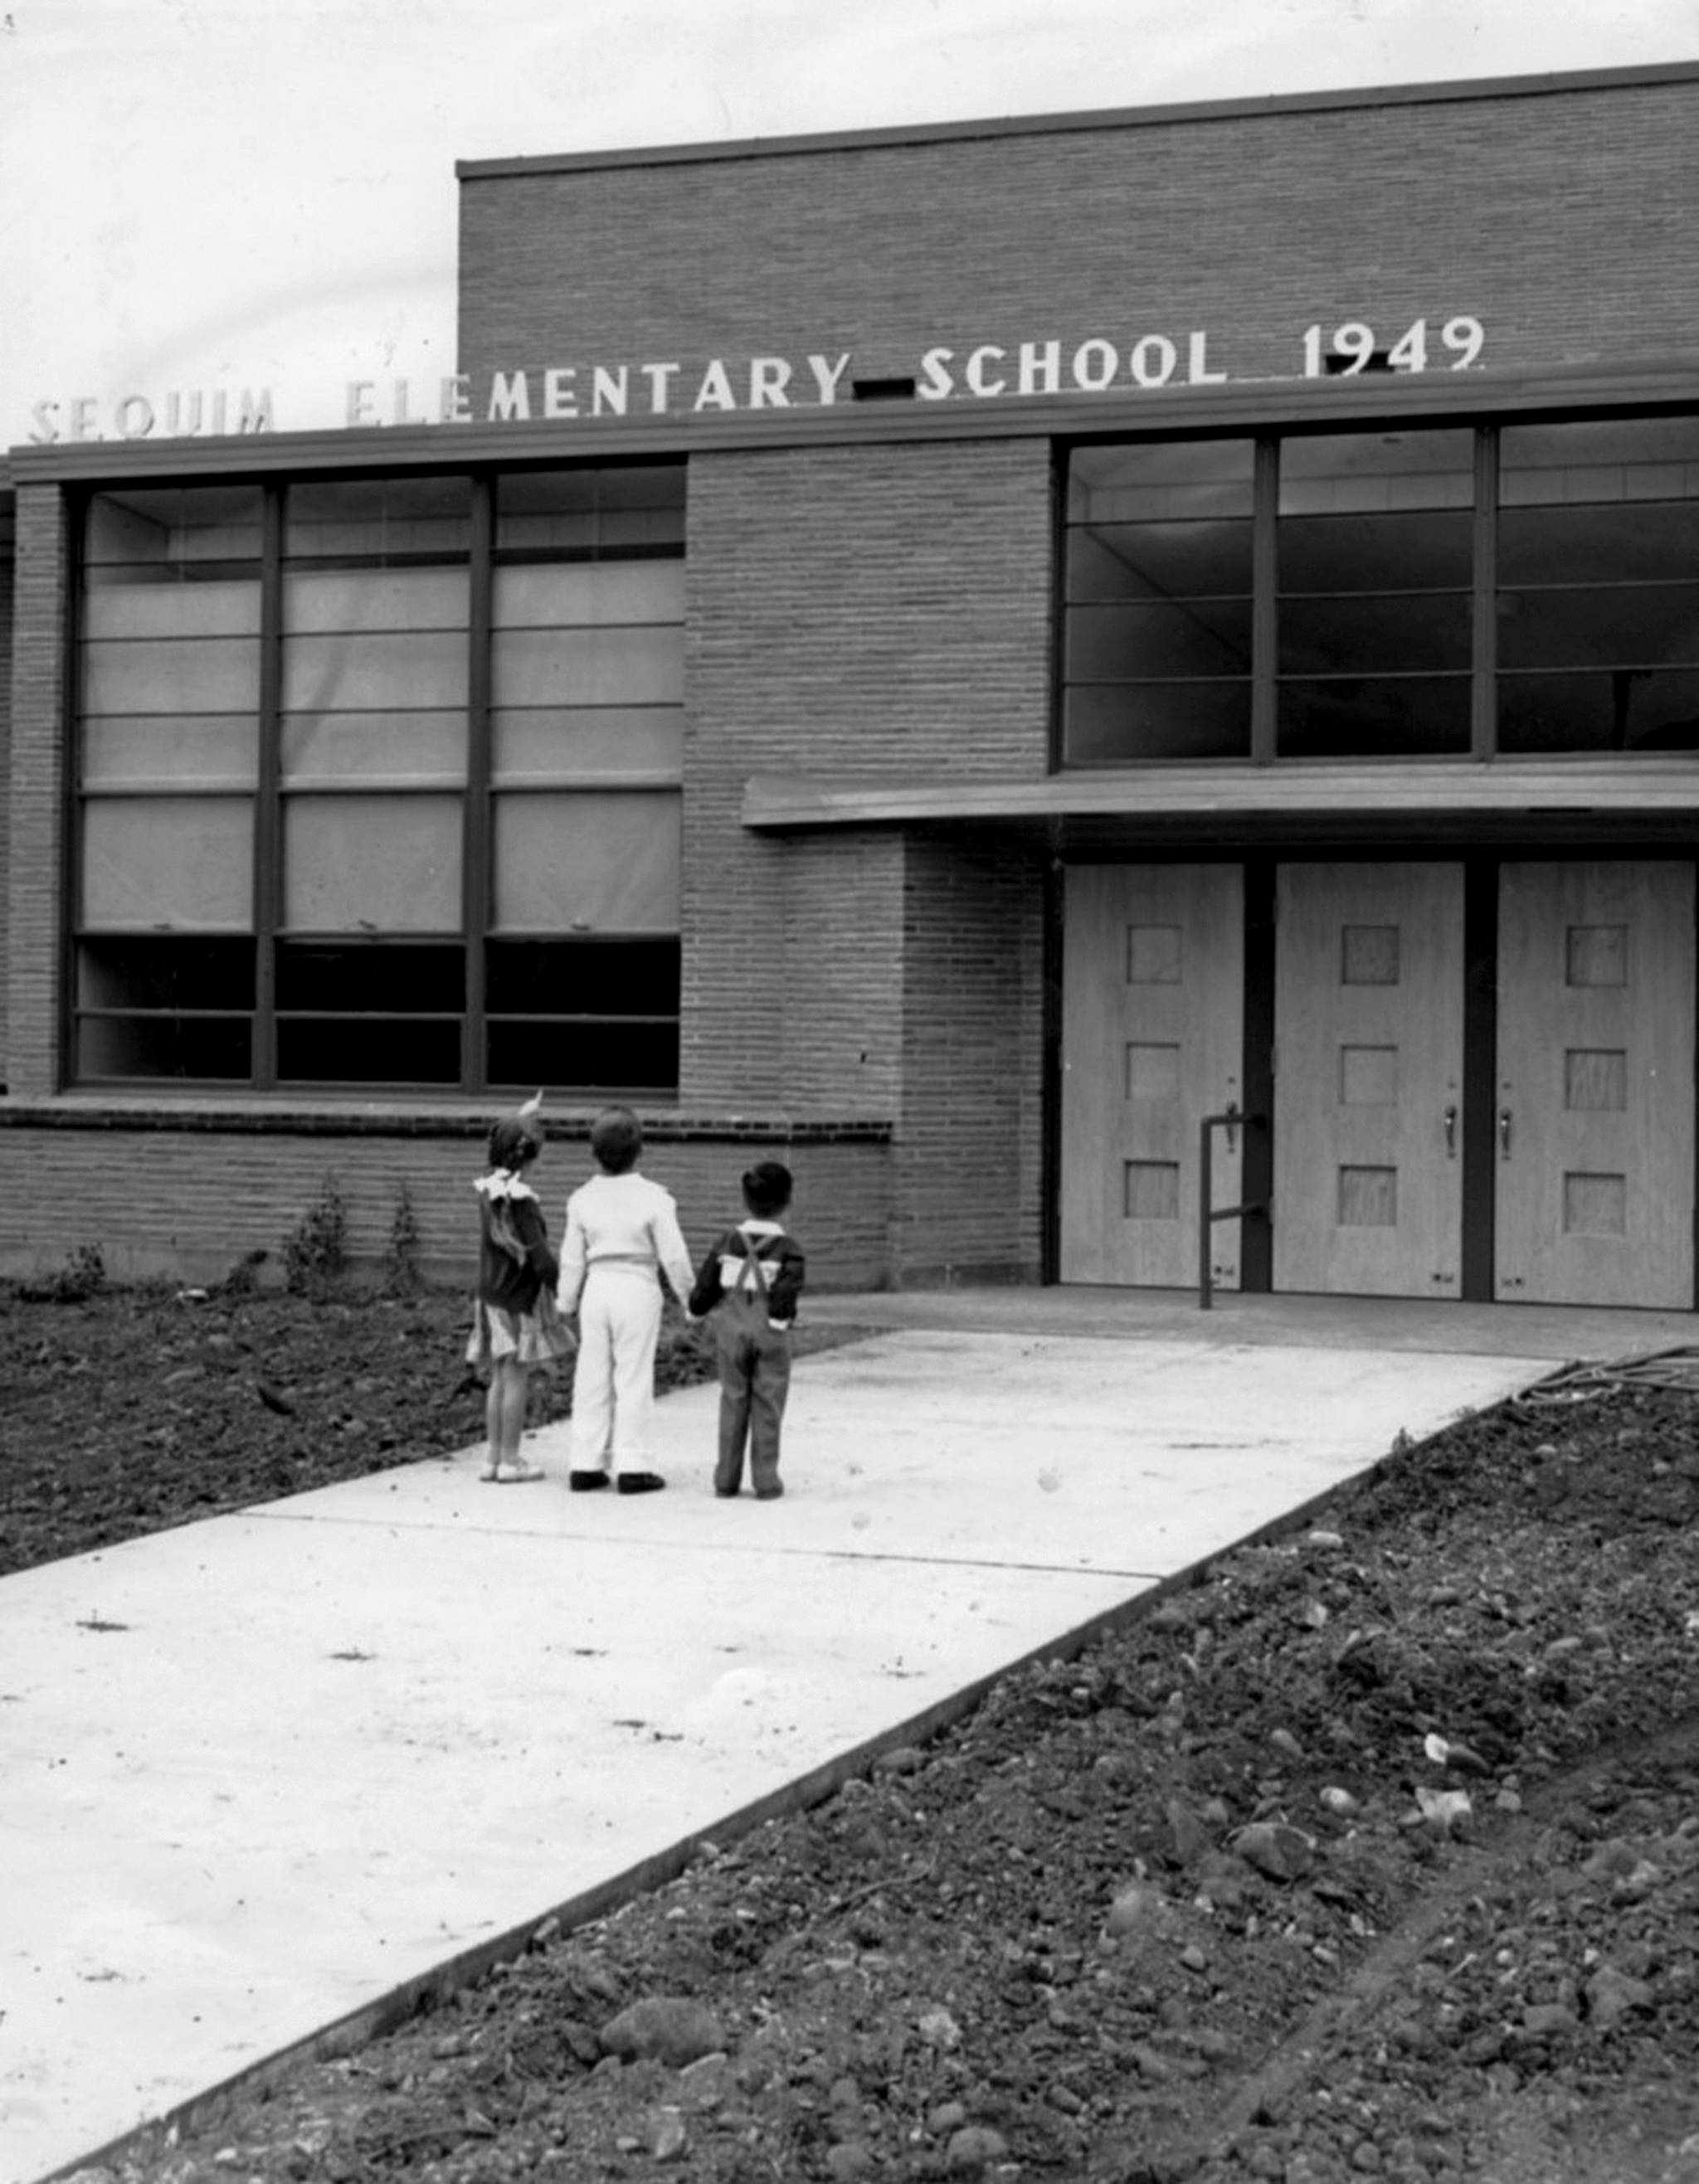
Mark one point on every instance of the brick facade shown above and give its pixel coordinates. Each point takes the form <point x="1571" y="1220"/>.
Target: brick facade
<point x="870" y="593"/>
<point x="1562" y="219"/>
<point x="7" y="567"/>
<point x="886" y="612"/>
<point x="189" y="1199"/>
<point x="36" y="779"/>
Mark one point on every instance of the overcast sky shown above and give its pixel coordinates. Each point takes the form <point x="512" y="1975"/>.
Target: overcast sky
<point x="201" y="194"/>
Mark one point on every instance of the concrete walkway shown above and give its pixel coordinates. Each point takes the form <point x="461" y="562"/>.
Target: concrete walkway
<point x="266" y="1775"/>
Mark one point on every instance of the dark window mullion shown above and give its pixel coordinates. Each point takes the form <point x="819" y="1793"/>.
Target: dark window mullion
<point x="1484" y="691"/>
<point x="476" y="826"/>
<point x="1264" y="627"/>
<point x="268" y="813"/>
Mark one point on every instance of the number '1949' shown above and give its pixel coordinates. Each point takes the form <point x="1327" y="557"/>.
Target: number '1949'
<point x="1350" y="348"/>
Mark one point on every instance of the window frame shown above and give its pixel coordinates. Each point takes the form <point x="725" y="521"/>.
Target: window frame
<point x="1482" y="670"/>
<point x="474" y="933"/>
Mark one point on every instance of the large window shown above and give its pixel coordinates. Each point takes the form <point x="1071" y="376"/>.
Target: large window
<point x="1159" y="600"/>
<point x="1597" y="602"/>
<point x="1378" y="595"/>
<point x="379" y="783"/>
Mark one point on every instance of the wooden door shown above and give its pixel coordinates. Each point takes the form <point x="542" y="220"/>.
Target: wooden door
<point x="1368" y="1079"/>
<point x="1593" y="1134"/>
<point x="1153" y="1009"/>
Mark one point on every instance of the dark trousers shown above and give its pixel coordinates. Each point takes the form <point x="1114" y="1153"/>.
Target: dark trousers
<point x="754" y="1380"/>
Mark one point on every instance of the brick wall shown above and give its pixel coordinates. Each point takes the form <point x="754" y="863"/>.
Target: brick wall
<point x="36" y="777"/>
<point x="886" y="612"/>
<point x="1562" y="220"/>
<point x="966" y="1170"/>
<point x="187" y="1202"/>
<point x="5" y="587"/>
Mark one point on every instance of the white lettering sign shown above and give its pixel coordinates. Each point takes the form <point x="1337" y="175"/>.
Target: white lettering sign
<point x="201" y="412"/>
<point x="981" y="371"/>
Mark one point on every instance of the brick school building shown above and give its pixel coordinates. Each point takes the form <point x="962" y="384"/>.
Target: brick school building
<point x="949" y="657"/>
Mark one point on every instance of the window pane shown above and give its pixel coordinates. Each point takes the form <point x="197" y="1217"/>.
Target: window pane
<point x="1388" y="629"/>
<point x="589" y="511"/>
<point x="1622" y="542"/>
<point x="606" y="1059"/>
<point x="1376" y="473"/>
<point x="562" y="742"/>
<point x="199" y="993"/>
<point x="1414" y="717"/>
<point x="1196" y="636"/>
<point x="356" y="1050"/>
<point x="330" y="978"/>
<point x="376" y="864"/>
<point x="1626" y="625"/>
<point x="1120" y="725"/>
<point x="351" y="674"/>
<point x="202" y="1048"/>
<point x="172" y="861"/>
<point x="1159" y="560"/>
<point x="598" y="861"/>
<point x="170" y="534"/>
<point x="1158" y="576"/>
<point x="384" y="521"/>
<point x="582" y="978"/>
<point x="171" y="973"/>
<point x="414" y="748"/>
<point x="588" y="593"/>
<point x="1153" y="480"/>
<point x="1611" y="459"/>
<point x="1375" y="552"/>
<point x="1623" y="711"/>
<point x="214" y="750"/>
<point x="641" y="665"/>
<point x="1599" y="573"/>
<point x="374" y="599"/>
<point x="155" y="610"/>
<point x="171" y="674"/>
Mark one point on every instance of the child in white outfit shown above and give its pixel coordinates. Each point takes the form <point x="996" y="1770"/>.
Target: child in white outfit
<point x="622" y="1235"/>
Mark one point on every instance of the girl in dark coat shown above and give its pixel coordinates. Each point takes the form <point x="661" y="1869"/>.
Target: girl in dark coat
<point x="514" y="1322"/>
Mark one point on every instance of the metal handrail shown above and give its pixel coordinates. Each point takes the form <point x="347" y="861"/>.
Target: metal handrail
<point x="1230" y="1119"/>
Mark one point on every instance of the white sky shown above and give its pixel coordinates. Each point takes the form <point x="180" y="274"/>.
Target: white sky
<point x="198" y="194"/>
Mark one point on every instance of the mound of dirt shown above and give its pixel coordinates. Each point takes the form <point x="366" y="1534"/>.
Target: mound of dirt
<point x="1374" y="1852"/>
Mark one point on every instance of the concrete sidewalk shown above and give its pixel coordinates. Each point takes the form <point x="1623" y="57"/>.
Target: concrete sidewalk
<point x="265" y="1773"/>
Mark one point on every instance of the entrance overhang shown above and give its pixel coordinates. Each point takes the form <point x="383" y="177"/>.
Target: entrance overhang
<point x="1641" y="801"/>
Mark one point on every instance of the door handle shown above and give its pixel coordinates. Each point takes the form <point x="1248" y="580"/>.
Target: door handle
<point x="1451" y="1121"/>
<point x="1504" y="1133"/>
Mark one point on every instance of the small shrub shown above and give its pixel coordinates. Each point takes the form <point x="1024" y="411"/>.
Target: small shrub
<point x="242" y="1278"/>
<point x="402" y="1276"/>
<point x="82" y="1275"/>
<point x="315" y="1252"/>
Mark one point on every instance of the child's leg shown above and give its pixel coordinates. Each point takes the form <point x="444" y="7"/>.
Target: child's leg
<point x="634" y="1323"/>
<point x="504" y="1416"/>
<point x="593" y="1383"/>
<point x="492" y="1415"/>
<point x="769" y="1389"/>
<point x="514" y="1379"/>
<point x="733" y="1352"/>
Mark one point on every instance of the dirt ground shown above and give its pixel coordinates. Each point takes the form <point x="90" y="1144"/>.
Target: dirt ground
<point x="1373" y="1852"/>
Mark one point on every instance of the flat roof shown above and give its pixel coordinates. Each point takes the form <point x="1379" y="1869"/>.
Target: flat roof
<point x="1132" y="117"/>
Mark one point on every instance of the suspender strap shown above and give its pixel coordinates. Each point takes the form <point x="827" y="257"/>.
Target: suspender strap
<point x="755" y="1259"/>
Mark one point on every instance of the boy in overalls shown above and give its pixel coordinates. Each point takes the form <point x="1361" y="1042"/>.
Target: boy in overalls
<point x="753" y="1277"/>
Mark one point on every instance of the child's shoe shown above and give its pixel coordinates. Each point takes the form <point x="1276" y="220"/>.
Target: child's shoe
<point x="639" y="1482"/>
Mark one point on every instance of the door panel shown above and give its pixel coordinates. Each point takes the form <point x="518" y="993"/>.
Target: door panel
<point x="1594" y="1164"/>
<point x="1368" y="1079"/>
<point x="1153" y="1006"/>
